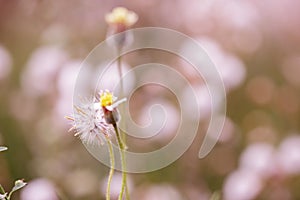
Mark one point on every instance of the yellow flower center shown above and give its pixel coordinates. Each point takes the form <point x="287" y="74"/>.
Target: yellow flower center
<point x="121" y="15"/>
<point x="106" y="99"/>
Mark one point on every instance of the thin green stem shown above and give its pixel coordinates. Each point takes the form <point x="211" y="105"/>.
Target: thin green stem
<point x="9" y="195"/>
<point x="123" y="162"/>
<point x="112" y="168"/>
<point x="2" y="191"/>
<point x="119" y="63"/>
<point x="121" y="137"/>
<point x="127" y="197"/>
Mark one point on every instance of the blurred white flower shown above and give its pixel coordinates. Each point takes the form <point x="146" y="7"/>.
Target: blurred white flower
<point x="39" y="189"/>
<point x="66" y="85"/>
<point x="242" y="185"/>
<point x="237" y="14"/>
<point x="120" y="20"/>
<point x="284" y="26"/>
<point x="5" y="62"/>
<point x="41" y="69"/>
<point x="259" y="158"/>
<point x="237" y="21"/>
<point x="121" y="16"/>
<point x="161" y="192"/>
<point x="232" y="70"/>
<point x="289" y="155"/>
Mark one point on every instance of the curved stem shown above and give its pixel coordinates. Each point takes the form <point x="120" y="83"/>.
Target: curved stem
<point x="112" y="168"/>
<point x="121" y="137"/>
<point x="119" y="62"/>
<point x="123" y="162"/>
<point x="122" y="107"/>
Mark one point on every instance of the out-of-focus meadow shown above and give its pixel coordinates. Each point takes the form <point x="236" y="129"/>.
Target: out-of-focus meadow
<point x="255" y="45"/>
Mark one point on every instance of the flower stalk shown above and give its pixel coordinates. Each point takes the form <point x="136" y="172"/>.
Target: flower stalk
<point x="111" y="116"/>
<point x="120" y="20"/>
<point x="122" y="108"/>
<point x="123" y="162"/>
<point x="112" y="168"/>
<point x="122" y="133"/>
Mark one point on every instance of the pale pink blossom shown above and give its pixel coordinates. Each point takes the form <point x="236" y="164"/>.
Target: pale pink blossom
<point x="242" y="185"/>
<point x="231" y="69"/>
<point x="39" y="189"/>
<point x="289" y="155"/>
<point x="162" y="192"/>
<point x="259" y="158"/>
<point x="41" y="70"/>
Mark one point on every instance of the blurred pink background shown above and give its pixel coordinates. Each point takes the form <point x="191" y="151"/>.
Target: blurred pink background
<point x="255" y="45"/>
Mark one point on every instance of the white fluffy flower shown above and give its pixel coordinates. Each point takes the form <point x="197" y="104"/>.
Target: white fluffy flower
<point x="89" y="124"/>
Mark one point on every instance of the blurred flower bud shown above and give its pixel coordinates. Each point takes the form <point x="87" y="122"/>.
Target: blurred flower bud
<point x="19" y="184"/>
<point x="120" y="20"/>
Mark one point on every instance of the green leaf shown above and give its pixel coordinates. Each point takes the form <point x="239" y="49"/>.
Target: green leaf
<point x="3" y="148"/>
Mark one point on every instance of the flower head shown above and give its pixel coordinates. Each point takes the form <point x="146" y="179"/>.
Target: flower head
<point x="89" y="123"/>
<point x="18" y="185"/>
<point x="121" y="16"/>
<point x="108" y="100"/>
<point x="109" y="105"/>
<point x="119" y="20"/>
